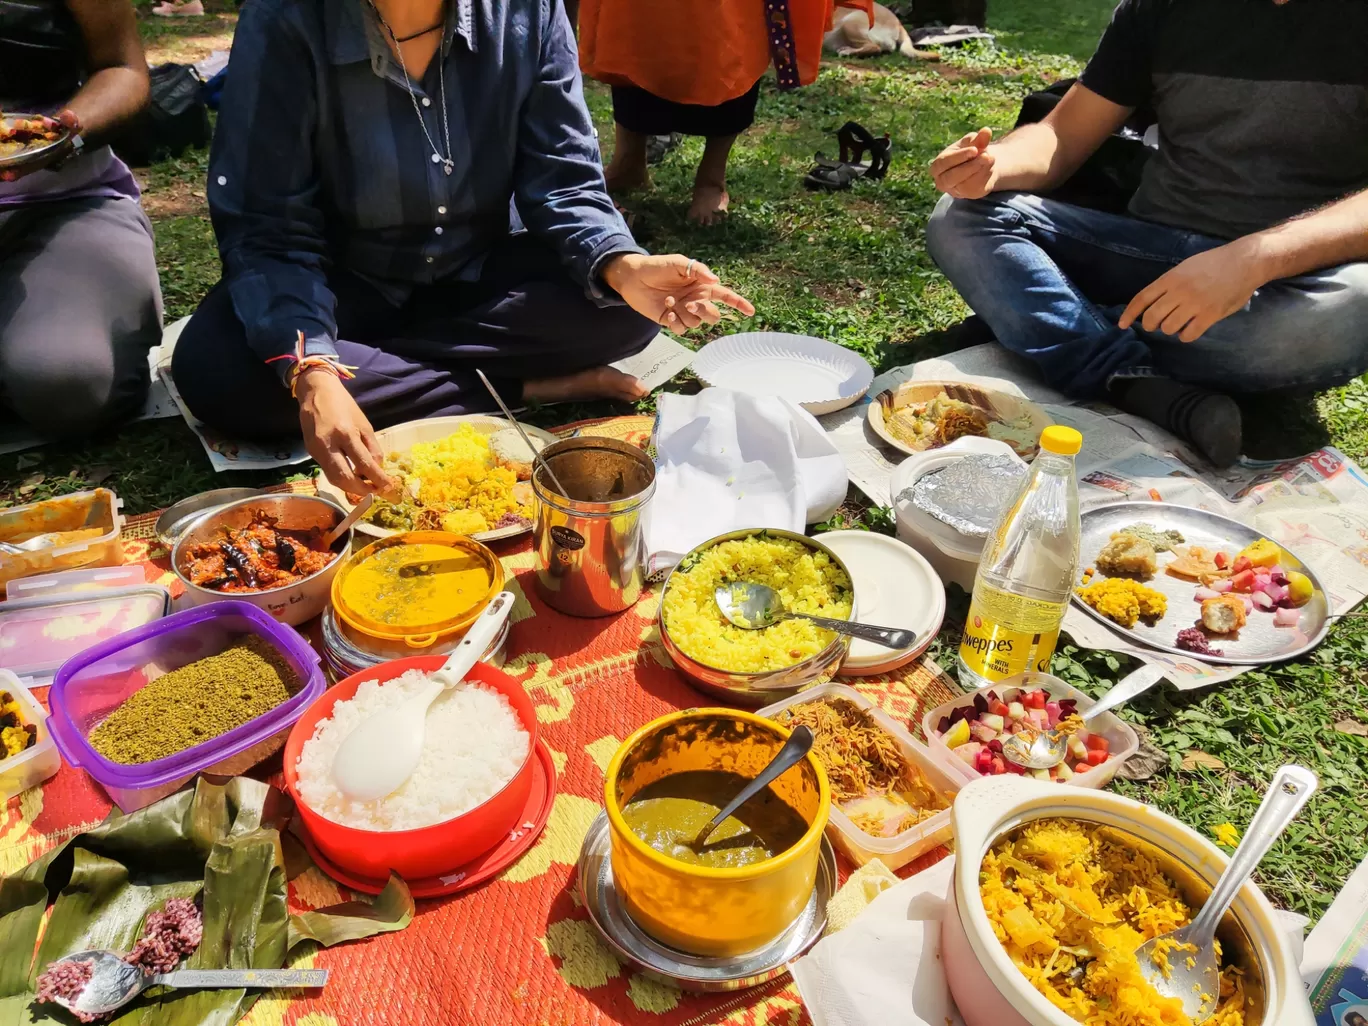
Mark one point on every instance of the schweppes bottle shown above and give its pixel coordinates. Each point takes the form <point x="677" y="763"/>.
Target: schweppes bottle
<point x="1030" y="560"/>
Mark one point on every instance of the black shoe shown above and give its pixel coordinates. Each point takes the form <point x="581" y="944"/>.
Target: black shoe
<point x="1208" y="420"/>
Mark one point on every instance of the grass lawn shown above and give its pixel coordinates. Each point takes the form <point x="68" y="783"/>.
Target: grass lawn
<point x="851" y="267"/>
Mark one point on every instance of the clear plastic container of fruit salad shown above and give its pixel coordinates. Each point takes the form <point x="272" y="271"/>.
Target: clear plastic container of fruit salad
<point x="1109" y="735"/>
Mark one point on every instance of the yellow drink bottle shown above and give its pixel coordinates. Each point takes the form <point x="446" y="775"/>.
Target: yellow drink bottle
<point x="1027" y="572"/>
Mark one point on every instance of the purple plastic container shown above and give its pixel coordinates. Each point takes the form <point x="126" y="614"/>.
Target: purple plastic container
<point x="91" y="685"/>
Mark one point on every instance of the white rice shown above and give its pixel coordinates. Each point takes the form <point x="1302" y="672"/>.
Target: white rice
<point x="473" y="746"/>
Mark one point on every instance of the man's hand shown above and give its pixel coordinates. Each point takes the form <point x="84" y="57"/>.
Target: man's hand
<point x="338" y="435"/>
<point x="673" y="291"/>
<point x="966" y="170"/>
<point x="1202" y="290"/>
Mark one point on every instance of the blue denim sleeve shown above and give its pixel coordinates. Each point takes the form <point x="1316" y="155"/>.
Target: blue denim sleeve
<point x="558" y="178"/>
<point x="262" y="190"/>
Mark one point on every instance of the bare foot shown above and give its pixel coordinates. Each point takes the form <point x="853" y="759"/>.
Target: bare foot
<point x="594" y="383"/>
<point x="626" y="176"/>
<point x="709" y="204"/>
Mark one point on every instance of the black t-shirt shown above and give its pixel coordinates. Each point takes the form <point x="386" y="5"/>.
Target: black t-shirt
<point x="1262" y="108"/>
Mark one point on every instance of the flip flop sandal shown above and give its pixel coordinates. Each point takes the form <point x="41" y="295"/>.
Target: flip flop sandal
<point x="855" y="141"/>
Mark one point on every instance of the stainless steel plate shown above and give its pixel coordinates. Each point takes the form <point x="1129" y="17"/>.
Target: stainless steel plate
<point x="31" y="156"/>
<point x="1258" y="642"/>
<point x="695" y="972"/>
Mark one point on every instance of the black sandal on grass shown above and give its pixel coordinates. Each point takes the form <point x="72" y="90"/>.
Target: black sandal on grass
<point x="855" y="141"/>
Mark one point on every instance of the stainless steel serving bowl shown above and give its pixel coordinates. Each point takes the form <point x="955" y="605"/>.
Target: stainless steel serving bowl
<point x="293" y="603"/>
<point x="758" y="689"/>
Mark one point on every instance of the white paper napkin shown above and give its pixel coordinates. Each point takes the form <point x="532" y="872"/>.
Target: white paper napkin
<point x="726" y="461"/>
<point x="884" y="969"/>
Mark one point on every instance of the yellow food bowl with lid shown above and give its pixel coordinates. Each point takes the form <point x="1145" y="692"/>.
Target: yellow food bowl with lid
<point x="418" y="588"/>
<point x="700" y="909"/>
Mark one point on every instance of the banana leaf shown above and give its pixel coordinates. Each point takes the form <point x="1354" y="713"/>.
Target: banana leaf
<point x="221" y="841"/>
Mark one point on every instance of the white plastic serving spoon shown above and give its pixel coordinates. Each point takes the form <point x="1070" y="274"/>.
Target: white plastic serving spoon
<point x="377" y="757"/>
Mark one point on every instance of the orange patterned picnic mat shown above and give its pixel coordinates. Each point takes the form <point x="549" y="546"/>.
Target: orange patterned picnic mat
<point x="519" y="949"/>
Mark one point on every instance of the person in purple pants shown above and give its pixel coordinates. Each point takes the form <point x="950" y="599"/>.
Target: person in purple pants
<point x="403" y="192"/>
<point x="80" y="305"/>
<point x="1242" y="266"/>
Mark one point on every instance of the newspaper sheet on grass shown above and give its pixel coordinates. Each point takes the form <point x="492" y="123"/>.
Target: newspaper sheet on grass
<point x="1335" y="962"/>
<point x="1316" y="505"/>
<point x="656" y="364"/>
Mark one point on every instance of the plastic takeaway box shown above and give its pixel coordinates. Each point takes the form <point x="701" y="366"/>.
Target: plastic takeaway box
<point x="92" y="517"/>
<point x="95" y="578"/>
<point x="1123" y="740"/>
<point x="860" y="847"/>
<point x="36" y="763"/>
<point x="93" y="684"/>
<point x="38" y="635"/>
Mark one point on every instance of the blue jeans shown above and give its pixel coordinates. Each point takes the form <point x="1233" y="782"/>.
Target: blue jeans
<point x="1052" y="279"/>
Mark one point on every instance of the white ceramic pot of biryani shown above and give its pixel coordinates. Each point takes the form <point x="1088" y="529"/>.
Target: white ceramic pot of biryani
<point x="591" y="554"/>
<point x="1055" y="879"/>
<point x="267" y="550"/>
<point x="756" y="667"/>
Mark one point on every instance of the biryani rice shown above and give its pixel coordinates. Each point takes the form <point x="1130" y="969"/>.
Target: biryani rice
<point x="1045" y="884"/>
<point x="455" y="484"/>
<point x="807" y="580"/>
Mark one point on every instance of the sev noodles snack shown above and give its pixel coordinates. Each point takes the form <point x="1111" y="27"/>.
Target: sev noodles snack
<point x="871" y="781"/>
<point x="1064" y="896"/>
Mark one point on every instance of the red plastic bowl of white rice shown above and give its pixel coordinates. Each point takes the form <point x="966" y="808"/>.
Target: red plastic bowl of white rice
<point x="467" y="793"/>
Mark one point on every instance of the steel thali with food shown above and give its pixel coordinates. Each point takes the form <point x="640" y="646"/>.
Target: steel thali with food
<point x="1259" y="641"/>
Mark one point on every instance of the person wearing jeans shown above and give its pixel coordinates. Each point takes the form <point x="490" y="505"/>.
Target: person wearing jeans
<point x="1242" y="266"/>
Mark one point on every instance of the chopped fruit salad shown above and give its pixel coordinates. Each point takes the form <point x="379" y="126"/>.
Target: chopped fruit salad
<point x="974" y="732"/>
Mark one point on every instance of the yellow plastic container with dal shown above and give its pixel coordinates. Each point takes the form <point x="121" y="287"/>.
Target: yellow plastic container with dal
<point x="418" y="588"/>
<point x="700" y="909"/>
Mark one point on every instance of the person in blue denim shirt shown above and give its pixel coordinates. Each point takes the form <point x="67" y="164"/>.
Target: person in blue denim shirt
<point x="404" y="191"/>
<point x="1242" y="267"/>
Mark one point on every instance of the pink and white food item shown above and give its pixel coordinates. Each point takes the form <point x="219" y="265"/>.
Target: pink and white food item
<point x="974" y="732"/>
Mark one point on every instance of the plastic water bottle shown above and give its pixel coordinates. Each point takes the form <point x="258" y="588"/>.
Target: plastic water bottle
<point x="1029" y="564"/>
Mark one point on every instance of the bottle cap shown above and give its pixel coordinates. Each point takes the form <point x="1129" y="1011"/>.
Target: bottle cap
<point x="1062" y="440"/>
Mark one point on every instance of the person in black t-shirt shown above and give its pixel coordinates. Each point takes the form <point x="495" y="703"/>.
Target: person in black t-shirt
<point x="1243" y="266"/>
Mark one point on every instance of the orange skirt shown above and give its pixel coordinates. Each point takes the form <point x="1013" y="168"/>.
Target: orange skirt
<point x="702" y="52"/>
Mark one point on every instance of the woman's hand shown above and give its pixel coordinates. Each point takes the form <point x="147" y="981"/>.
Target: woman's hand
<point x="66" y="119"/>
<point x="338" y="435"/>
<point x="674" y="291"/>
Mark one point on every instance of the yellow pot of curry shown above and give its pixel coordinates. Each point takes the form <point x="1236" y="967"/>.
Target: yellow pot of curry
<point x="755" y="874"/>
<point x="418" y="588"/>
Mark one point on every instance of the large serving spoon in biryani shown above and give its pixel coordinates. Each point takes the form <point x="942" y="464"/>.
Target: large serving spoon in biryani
<point x="377" y="757"/>
<point x="114" y="983"/>
<point x="1186" y="966"/>
<point x="753" y="606"/>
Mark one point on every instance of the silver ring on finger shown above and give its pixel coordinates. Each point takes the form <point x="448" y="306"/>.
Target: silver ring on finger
<point x="688" y="270"/>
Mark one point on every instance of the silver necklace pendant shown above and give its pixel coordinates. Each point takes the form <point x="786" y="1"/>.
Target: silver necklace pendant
<point x="448" y="166"/>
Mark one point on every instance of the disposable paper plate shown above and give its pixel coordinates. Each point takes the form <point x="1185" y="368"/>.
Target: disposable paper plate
<point x="403" y="437"/>
<point x="1016" y="420"/>
<point x="820" y="376"/>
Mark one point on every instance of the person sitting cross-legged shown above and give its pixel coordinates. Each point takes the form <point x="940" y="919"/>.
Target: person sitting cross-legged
<point x="1242" y="267"/>
<point x="374" y="165"/>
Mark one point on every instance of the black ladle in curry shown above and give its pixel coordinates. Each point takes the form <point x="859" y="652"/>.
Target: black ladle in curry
<point x="795" y="749"/>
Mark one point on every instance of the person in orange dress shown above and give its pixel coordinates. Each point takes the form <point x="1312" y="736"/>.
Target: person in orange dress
<point x="695" y="68"/>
